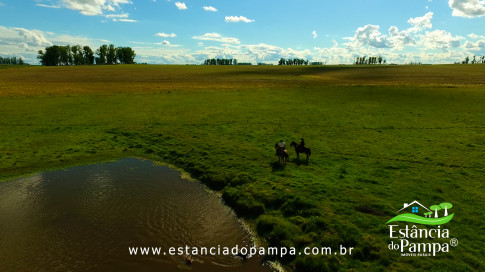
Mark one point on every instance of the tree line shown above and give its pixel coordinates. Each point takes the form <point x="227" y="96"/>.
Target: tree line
<point x="11" y="61"/>
<point x="283" y="61"/>
<point x="220" y="62"/>
<point x="57" y="55"/>
<point x="475" y="60"/>
<point x="369" y="60"/>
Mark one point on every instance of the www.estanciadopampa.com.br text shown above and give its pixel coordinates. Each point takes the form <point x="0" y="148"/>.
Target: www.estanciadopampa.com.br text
<point x="238" y="251"/>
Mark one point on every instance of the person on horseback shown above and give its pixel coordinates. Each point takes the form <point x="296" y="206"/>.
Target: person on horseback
<point x="302" y="143"/>
<point x="280" y="147"/>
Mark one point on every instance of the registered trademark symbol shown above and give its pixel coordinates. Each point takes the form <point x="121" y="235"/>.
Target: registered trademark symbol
<point x="454" y="242"/>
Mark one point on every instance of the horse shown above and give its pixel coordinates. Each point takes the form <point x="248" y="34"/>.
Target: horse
<point x="301" y="149"/>
<point x="282" y="155"/>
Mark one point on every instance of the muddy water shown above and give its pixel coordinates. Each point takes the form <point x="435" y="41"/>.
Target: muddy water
<point x="86" y="218"/>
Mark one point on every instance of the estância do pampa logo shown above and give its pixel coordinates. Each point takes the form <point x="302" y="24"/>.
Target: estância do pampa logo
<point x="429" y="238"/>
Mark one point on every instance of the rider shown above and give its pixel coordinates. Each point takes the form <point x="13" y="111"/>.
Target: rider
<point x="281" y="146"/>
<point x="302" y="143"/>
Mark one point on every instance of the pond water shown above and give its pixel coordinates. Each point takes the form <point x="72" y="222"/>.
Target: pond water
<point x="86" y="218"/>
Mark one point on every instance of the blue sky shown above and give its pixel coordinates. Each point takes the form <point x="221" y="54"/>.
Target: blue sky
<point x="189" y="31"/>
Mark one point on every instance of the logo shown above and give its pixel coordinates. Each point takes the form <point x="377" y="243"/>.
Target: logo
<point x="431" y="217"/>
<point x="427" y="240"/>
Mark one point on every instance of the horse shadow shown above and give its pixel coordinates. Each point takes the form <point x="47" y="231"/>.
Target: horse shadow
<point x="299" y="162"/>
<point x="277" y="166"/>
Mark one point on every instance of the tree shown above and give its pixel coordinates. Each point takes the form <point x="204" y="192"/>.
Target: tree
<point x="111" y="56"/>
<point x="435" y="208"/>
<point x="88" y="55"/>
<point x="102" y="52"/>
<point x="220" y="62"/>
<point x="51" y="56"/>
<point x="125" y="55"/>
<point x="283" y="61"/>
<point x="77" y="55"/>
<point x="65" y="55"/>
<point x="12" y="61"/>
<point x="446" y="206"/>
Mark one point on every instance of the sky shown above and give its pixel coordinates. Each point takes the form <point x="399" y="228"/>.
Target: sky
<point x="190" y="31"/>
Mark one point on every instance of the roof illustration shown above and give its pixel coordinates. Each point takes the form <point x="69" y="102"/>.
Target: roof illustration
<point x="410" y="204"/>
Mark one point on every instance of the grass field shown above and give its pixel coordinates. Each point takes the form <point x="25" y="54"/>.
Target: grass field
<point x="380" y="136"/>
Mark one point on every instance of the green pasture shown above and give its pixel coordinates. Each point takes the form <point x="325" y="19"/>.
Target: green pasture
<point x="380" y="137"/>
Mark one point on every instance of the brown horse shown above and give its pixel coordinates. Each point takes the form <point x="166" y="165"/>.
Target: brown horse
<point x="301" y="149"/>
<point x="282" y="155"/>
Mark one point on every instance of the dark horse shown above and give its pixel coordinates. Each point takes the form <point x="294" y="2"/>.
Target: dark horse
<point x="282" y="154"/>
<point x="301" y="149"/>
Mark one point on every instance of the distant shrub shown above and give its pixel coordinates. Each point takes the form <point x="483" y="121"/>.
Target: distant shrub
<point x="315" y="224"/>
<point x="300" y="206"/>
<point x="243" y="203"/>
<point x="241" y="179"/>
<point x="272" y="199"/>
<point x="348" y="233"/>
<point x="214" y="181"/>
<point x="276" y="230"/>
<point x="297" y="220"/>
<point x="312" y="264"/>
<point x="367" y="249"/>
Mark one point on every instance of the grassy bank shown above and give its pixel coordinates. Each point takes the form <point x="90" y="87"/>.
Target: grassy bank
<point x="380" y="136"/>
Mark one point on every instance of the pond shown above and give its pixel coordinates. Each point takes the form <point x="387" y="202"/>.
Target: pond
<point x="87" y="218"/>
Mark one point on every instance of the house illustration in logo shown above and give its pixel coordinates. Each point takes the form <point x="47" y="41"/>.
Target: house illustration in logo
<point x="414" y="207"/>
<point x="414" y="211"/>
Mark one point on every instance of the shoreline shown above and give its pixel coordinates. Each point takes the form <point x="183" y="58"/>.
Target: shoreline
<point x="243" y="223"/>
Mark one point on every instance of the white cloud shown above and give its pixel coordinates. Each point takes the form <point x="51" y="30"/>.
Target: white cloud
<point x="263" y="52"/>
<point x="439" y="39"/>
<point x="117" y="16"/>
<point x="127" y="20"/>
<point x="314" y="33"/>
<point x="209" y="8"/>
<point x="475" y="36"/>
<point x="167" y="43"/>
<point x="25" y="43"/>
<point x="421" y="23"/>
<point x="334" y="55"/>
<point x="237" y="19"/>
<point x="123" y="17"/>
<point x="165" y="35"/>
<point x="475" y="46"/>
<point x="217" y="37"/>
<point x="180" y="5"/>
<point x="46" y="6"/>
<point x="370" y="35"/>
<point x="164" y="55"/>
<point x="400" y="39"/>
<point x="93" y="7"/>
<point x="467" y="8"/>
<point x="2" y="4"/>
<point x="32" y="37"/>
